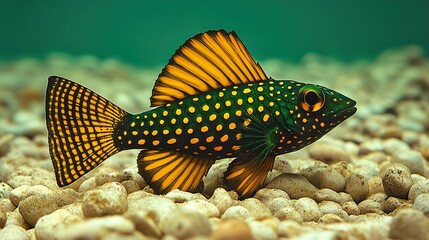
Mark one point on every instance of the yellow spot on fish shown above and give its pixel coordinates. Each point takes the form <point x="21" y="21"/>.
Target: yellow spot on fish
<point x="238" y="113"/>
<point x="219" y="127"/>
<point x="235" y="147"/>
<point x="221" y="94"/>
<point x="191" y="109"/>
<point x="209" y="139"/>
<point x="304" y="120"/>
<point x="240" y="101"/>
<point x="204" y="129"/>
<point x="217" y="105"/>
<point x="178" y="111"/>
<point x="135" y="133"/>
<point x="165" y="131"/>
<point x="266" y="117"/>
<point x="261" y="98"/>
<point x="194" y="140"/>
<point x="227" y="103"/>
<point x="178" y="131"/>
<point x="277" y="113"/>
<point x="232" y="126"/>
<point x="133" y="124"/>
<point x="322" y="124"/>
<point x="271" y="104"/>
<point x="260" y="89"/>
<point x="146" y="132"/>
<point x="154" y="132"/>
<point x="185" y="120"/>
<point x="171" y="141"/>
<point x="142" y="124"/>
<point x="250" y="110"/>
<point x="224" y="138"/>
<point x="199" y="119"/>
<point x="205" y="108"/>
<point x="173" y="121"/>
<point x="202" y="148"/>
<point x="164" y="113"/>
<point x="234" y="93"/>
<point x="161" y="121"/>
<point x="212" y="117"/>
<point x="209" y="97"/>
<point x="155" y="142"/>
<point x="150" y="123"/>
<point x="250" y="100"/>
<point x="226" y="116"/>
<point x="247" y="90"/>
<point x="218" y="148"/>
<point x="260" y="108"/>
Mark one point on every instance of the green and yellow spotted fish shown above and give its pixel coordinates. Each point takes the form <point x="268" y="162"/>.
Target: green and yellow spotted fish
<point x="212" y="101"/>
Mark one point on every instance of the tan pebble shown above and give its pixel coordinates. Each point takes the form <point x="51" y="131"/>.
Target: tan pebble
<point x="15" y="218"/>
<point x="330" y="218"/>
<point x="288" y="213"/>
<point x="203" y="207"/>
<point x="357" y="187"/>
<point x="179" y="196"/>
<point x="322" y="177"/>
<point x="66" y="196"/>
<point x="75" y="209"/>
<point x="52" y="225"/>
<point x="278" y="203"/>
<point x="391" y="204"/>
<point x="411" y="159"/>
<point x="289" y="229"/>
<point x="295" y="185"/>
<point x="261" y="231"/>
<point x="109" y="199"/>
<point x="345" y="197"/>
<point x="282" y="164"/>
<point x="5" y="190"/>
<point x="393" y="145"/>
<point x="365" y="168"/>
<point x="265" y="195"/>
<point x="271" y="175"/>
<point x="327" y="207"/>
<point x="417" y="178"/>
<point x="87" y="185"/>
<point x="342" y="168"/>
<point x="326" y="194"/>
<point x="6" y="205"/>
<point x="146" y="222"/>
<point x="351" y="208"/>
<point x="20" y="193"/>
<point x="308" y="209"/>
<point x="421" y="203"/>
<point x="101" y="179"/>
<point x="409" y="224"/>
<point x="130" y="186"/>
<point x="236" y="212"/>
<point x="163" y="206"/>
<point x="214" y="177"/>
<point x="418" y="188"/>
<point x="133" y="175"/>
<point x="376" y="157"/>
<point x="256" y="208"/>
<point x="108" y="227"/>
<point x="370" y="206"/>
<point x="13" y="232"/>
<point x="410" y="137"/>
<point x="222" y="200"/>
<point x="232" y="230"/>
<point x="328" y="153"/>
<point x="375" y="185"/>
<point x="190" y="225"/>
<point x="367" y="147"/>
<point x="397" y="182"/>
<point x="34" y="207"/>
<point x="378" y="197"/>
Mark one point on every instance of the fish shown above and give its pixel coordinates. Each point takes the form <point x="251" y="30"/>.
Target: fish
<point x="211" y="101"/>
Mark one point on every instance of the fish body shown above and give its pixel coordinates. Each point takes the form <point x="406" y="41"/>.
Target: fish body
<point x="212" y="101"/>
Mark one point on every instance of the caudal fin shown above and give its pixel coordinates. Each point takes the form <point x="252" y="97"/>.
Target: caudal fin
<point x="81" y="126"/>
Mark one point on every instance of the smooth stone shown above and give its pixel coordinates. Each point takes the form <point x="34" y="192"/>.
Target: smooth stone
<point x="163" y="206"/>
<point x="222" y="200"/>
<point x="411" y="159"/>
<point x="418" y="188"/>
<point x="391" y="204"/>
<point x="238" y="212"/>
<point x="20" y="193"/>
<point x="262" y="231"/>
<point x="5" y="190"/>
<point x="328" y="153"/>
<point x="265" y="195"/>
<point x="330" y="218"/>
<point x="326" y="194"/>
<point x="351" y="208"/>
<point x="232" y="229"/>
<point x="203" y="207"/>
<point x="322" y="177"/>
<point x="3" y="218"/>
<point x="190" y="225"/>
<point x="397" y="182"/>
<point x="256" y="208"/>
<point x="327" y="207"/>
<point x="308" y="209"/>
<point x="13" y="232"/>
<point x="370" y="206"/>
<point x="179" y="196"/>
<point x="409" y="224"/>
<point x="131" y="186"/>
<point x="421" y="203"/>
<point x="288" y="213"/>
<point x="66" y="196"/>
<point x="279" y="203"/>
<point x="15" y="218"/>
<point x="357" y="187"/>
<point x="109" y="199"/>
<point x="295" y="185"/>
<point x="34" y="207"/>
<point x="52" y="225"/>
<point x="146" y="222"/>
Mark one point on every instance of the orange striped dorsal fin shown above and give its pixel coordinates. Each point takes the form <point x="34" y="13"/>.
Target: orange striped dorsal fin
<point x="208" y="61"/>
<point x="81" y="126"/>
<point x="165" y="171"/>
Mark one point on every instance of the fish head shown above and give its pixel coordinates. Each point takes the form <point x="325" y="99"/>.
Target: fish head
<point x="316" y="110"/>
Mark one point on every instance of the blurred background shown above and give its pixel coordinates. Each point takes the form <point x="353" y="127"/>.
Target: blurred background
<point x="146" y="33"/>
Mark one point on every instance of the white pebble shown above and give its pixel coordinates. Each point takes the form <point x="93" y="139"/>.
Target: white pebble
<point x="203" y="207"/>
<point x="52" y="225"/>
<point x="411" y="159"/>
<point x="421" y="203"/>
<point x="418" y="188"/>
<point x="397" y="181"/>
<point x="288" y="213"/>
<point x="186" y="225"/>
<point x="265" y="195"/>
<point x="236" y="212"/>
<point x="222" y="200"/>
<point x="262" y="231"/>
<point x="34" y="207"/>
<point x="5" y="190"/>
<point x="327" y="207"/>
<point x="163" y="206"/>
<point x="357" y="186"/>
<point x="295" y="185"/>
<point x="323" y="177"/>
<point x="256" y="208"/>
<point x="13" y="232"/>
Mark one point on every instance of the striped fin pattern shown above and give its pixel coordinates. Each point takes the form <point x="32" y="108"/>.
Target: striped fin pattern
<point x="81" y="126"/>
<point x="208" y="61"/>
<point x="168" y="170"/>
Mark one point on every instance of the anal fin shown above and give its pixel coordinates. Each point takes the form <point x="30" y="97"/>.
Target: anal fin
<point x="168" y="170"/>
<point x="246" y="174"/>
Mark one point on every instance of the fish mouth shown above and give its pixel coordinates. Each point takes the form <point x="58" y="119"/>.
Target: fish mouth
<point x="347" y="112"/>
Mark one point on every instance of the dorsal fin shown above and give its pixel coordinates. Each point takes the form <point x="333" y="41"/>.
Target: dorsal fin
<point x="208" y="61"/>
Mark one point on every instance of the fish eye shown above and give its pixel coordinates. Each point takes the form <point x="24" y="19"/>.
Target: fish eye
<point x="311" y="98"/>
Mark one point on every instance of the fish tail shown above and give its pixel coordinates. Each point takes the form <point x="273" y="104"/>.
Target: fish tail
<point x="81" y="128"/>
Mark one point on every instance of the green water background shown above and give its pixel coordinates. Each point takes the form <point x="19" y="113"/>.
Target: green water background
<point x="146" y="33"/>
